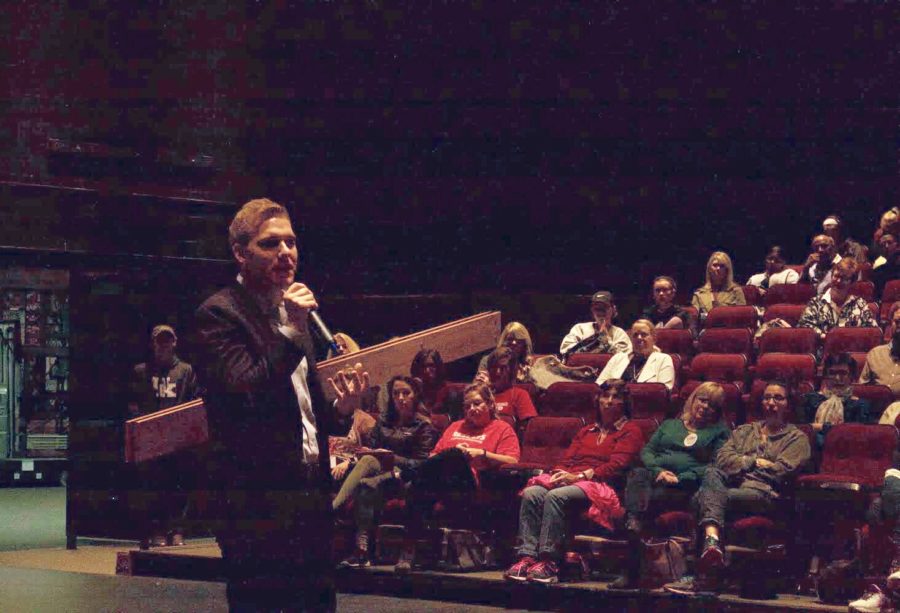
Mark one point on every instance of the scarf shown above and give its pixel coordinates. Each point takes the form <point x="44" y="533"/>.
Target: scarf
<point x="831" y="411"/>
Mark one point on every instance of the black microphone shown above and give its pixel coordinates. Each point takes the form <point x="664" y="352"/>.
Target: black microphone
<point x="325" y="333"/>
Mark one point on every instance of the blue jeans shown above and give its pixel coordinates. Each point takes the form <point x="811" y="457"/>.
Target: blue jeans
<point x="542" y="519"/>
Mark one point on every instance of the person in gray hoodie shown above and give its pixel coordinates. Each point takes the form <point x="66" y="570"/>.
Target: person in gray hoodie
<point x="750" y="472"/>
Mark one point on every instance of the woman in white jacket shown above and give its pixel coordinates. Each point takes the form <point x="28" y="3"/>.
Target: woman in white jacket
<point x="645" y="363"/>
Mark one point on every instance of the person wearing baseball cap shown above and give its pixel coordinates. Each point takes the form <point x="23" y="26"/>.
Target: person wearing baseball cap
<point x="599" y="335"/>
<point x="161" y="383"/>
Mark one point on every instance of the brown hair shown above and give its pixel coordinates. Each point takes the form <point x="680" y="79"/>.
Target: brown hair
<point x="483" y="390"/>
<point x="620" y="388"/>
<point x="250" y="217"/>
<point x="847" y="266"/>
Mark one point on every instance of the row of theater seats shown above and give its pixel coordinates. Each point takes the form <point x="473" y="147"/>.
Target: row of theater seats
<point x="849" y="468"/>
<point x="801" y="293"/>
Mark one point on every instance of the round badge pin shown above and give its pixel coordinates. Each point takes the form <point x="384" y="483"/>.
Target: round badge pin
<point x="690" y="439"/>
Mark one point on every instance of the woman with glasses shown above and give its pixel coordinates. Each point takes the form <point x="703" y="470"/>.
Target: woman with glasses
<point x="837" y="307"/>
<point x="749" y="474"/>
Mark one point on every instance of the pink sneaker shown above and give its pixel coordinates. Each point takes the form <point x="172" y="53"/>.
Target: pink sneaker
<point x="519" y="570"/>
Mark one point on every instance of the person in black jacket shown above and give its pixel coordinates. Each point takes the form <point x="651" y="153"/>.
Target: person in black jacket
<point x="269" y="422"/>
<point x="405" y="432"/>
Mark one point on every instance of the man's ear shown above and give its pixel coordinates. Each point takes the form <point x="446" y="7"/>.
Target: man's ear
<point x="238" y="251"/>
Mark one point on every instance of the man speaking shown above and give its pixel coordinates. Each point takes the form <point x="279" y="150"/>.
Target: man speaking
<point x="269" y="422"/>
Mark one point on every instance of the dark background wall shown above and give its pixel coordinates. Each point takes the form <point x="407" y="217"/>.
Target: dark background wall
<point x="498" y="154"/>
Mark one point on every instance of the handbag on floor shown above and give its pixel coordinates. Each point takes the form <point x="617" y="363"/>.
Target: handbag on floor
<point x="662" y="562"/>
<point x="464" y="550"/>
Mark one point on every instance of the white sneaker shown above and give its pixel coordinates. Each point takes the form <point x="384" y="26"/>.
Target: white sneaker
<point x="872" y="601"/>
<point x="893" y="581"/>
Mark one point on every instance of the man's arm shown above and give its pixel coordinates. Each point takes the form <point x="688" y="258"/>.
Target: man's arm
<point x="228" y="359"/>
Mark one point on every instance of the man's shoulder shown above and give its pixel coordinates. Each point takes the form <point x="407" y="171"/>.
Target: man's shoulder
<point x="227" y="296"/>
<point x="878" y="350"/>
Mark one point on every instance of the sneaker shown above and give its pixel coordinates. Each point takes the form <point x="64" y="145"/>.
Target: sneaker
<point x="893" y="581"/>
<point x="545" y="572"/>
<point x="357" y="560"/>
<point x="625" y="582"/>
<point x="872" y="601"/>
<point x="175" y="539"/>
<point x="405" y="564"/>
<point x="692" y="586"/>
<point x="519" y="570"/>
<point x="712" y="557"/>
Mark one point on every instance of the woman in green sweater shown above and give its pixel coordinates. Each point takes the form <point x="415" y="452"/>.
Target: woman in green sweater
<point x="674" y="460"/>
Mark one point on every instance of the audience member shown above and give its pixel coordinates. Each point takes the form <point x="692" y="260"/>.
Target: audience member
<point x="834" y="403"/>
<point x="845" y="247"/>
<point x="596" y="460"/>
<point x="645" y="364"/>
<point x="837" y="307"/>
<point x="664" y="313"/>
<point x="516" y="337"/>
<point x="818" y="265"/>
<point x="428" y="367"/>
<point x="600" y="335"/>
<point x="720" y="288"/>
<point x="888" y="268"/>
<point x="163" y="483"/>
<point x="675" y="460"/>
<point x="477" y="443"/>
<point x="883" y="362"/>
<point x="508" y="399"/>
<point x="750" y="472"/>
<point x="404" y="432"/>
<point x="888" y="224"/>
<point x="345" y="343"/>
<point x="776" y="272"/>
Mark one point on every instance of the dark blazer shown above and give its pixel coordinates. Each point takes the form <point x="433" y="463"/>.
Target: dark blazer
<point x="245" y="367"/>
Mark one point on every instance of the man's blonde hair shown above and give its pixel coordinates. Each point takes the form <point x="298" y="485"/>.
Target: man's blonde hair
<point x="250" y="217"/>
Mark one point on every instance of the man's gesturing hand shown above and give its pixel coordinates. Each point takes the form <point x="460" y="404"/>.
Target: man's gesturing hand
<point x="298" y="302"/>
<point x="349" y="386"/>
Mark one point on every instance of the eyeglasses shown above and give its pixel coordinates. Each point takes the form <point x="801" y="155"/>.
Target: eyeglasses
<point x="775" y="397"/>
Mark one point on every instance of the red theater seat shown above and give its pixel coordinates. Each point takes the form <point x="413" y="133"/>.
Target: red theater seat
<point x="854" y="457"/>
<point x="879" y="396"/>
<point x="680" y="342"/>
<point x="839" y="340"/>
<point x="649" y="401"/>
<point x="726" y="340"/>
<point x="790" y="293"/>
<point x="732" y="317"/>
<point x="728" y="367"/>
<point x="863" y="289"/>
<point x="789" y="340"/>
<point x="789" y="312"/>
<point x="569" y="399"/>
<point x="751" y="295"/>
<point x="789" y="367"/>
<point x="594" y="360"/>
<point x="891" y="292"/>
<point x="545" y="442"/>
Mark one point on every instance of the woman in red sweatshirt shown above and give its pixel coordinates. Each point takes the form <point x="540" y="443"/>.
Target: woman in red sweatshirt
<point x="595" y="461"/>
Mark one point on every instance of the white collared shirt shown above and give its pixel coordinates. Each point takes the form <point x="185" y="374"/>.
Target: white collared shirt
<point x="301" y="388"/>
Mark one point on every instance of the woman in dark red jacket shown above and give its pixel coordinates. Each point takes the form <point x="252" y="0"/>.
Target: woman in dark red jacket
<point x="598" y="457"/>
